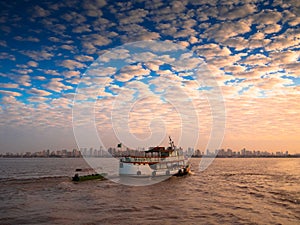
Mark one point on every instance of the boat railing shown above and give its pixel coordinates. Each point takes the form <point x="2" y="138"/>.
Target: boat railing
<point x="151" y="159"/>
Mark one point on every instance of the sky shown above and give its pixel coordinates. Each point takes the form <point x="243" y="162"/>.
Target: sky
<point x="135" y="65"/>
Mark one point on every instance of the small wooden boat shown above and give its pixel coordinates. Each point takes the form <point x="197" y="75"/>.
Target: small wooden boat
<point x="87" y="174"/>
<point x="183" y="171"/>
<point x="95" y="176"/>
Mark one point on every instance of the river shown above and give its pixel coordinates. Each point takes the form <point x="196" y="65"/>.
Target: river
<point x="229" y="191"/>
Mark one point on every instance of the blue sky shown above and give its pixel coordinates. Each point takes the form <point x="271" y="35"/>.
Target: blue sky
<point x="250" y="47"/>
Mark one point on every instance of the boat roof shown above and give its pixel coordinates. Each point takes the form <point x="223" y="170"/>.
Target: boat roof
<point x="159" y="149"/>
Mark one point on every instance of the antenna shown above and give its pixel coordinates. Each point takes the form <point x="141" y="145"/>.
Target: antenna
<point x="171" y="143"/>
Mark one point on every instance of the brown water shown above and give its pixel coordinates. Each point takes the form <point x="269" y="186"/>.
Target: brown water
<point x="230" y="191"/>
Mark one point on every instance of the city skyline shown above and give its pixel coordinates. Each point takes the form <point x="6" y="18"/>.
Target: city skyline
<point x="118" y="151"/>
<point x="247" y="50"/>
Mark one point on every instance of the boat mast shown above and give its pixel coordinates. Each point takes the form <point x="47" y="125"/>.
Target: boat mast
<point x="171" y="143"/>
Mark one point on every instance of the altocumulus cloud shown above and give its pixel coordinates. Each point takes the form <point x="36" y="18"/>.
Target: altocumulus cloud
<point x="251" y="48"/>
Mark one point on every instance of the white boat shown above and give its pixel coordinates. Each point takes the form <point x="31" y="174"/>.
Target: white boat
<point x="157" y="161"/>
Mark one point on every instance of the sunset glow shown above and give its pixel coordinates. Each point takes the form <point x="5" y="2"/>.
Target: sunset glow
<point x="250" y="48"/>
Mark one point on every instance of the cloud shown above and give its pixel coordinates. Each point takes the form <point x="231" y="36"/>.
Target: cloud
<point x="51" y="72"/>
<point x="224" y="61"/>
<point x="283" y="42"/>
<point x="31" y="39"/>
<point x="10" y="93"/>
<point x="56" y="85"/>
<point x="23" y="80"/>
<point x="193" y="40"/>
<point x="281" y="58"/>
<point x="265" y="116"/>
<point x="55" y="28"/>
<point x="5" y="55"/>
<point x="84" y="58"/>
<point x="210" y="51"/>
<point x="238" y="12"/>
<point x="82" y="29"/>
<point x="22" y="71"/>
<point x="68" y="47"/>
<point x="8" y="85"/>
<point x="10" y="101"/>
<point x="38" y="55"/>
<point x="129" y="72"/>
<point x="73" y="80"/>
<point x="271" y="83"/>
<point x="96" y="71"/>
<point x="72" y="64"/>
<point x="293" y="69"/>
<point x="187" y="62"/>
<point x="69" y="74"/>
<point x="132" y="17"/>
<point x="62" y="103"/>
<point x="37" y="99"/>
<point x="93" y="8"/>
<point x="40" y="78"/>
<point x="251" y="51"/>
<point x="32" y="64"/>
<point x="74" y="18"/>
<point x="235" y="69"/>
<point x="269" y="28"/>
<point x="115" y="54"/>
<point x="139" y="35"/>
<point x="40" y="12"/>
<point x="54" y="39"/>
<point x="257" y="59"/>
<point x="267" y="17"/>
<point x="153" y="65"/>
<point x="91" y="42"/>
<point x="38" y="92"/>
<point x="258" y="40"/>
<point x="3" y="43"/>
<point x="222" y="31"/>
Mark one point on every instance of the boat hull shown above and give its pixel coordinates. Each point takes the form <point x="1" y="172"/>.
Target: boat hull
<point x="144" y="170"/>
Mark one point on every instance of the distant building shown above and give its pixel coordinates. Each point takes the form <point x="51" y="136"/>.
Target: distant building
<point x="207" y="152"/>
<point x="198" y="153"/>
<point x="229" y="152"/>
<point x="243" y="152"/>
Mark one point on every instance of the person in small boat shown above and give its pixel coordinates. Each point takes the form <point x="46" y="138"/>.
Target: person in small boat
<point x="76" y="177"/>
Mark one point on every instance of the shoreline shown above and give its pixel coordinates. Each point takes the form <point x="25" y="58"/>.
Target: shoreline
<point x="204" y="156"/>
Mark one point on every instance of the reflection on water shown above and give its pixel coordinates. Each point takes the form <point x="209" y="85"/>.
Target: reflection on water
<point x="230" y="191"/>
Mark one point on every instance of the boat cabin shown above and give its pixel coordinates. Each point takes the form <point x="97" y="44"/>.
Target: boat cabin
<point x="162" y="150"/>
